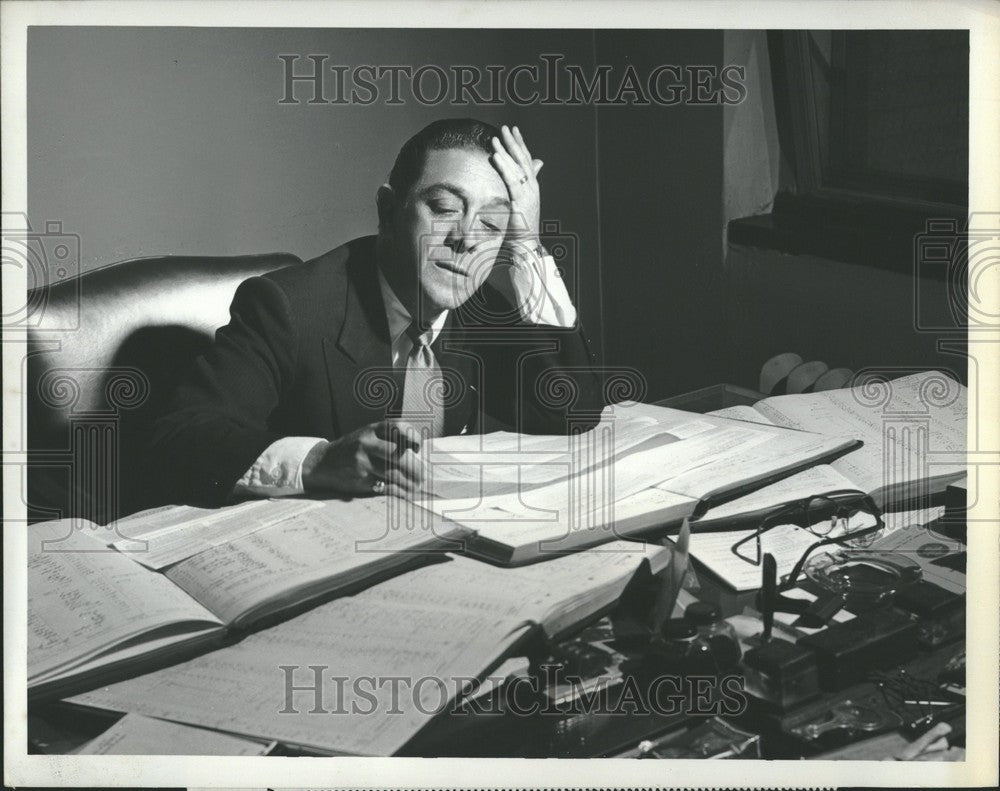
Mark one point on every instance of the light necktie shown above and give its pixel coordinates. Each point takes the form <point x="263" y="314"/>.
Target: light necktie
<point x="423" y="385"/>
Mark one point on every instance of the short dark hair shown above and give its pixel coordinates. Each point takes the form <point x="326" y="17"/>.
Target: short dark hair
<point x="444" y="134"/>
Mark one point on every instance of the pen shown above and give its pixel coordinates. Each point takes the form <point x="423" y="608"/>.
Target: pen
<point x="768" y="593"/>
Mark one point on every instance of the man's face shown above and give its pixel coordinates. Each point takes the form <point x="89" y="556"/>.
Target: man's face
<point x="444" y="236"/>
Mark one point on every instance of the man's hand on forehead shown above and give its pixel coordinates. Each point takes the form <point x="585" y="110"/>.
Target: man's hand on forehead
<point x="519" y="171"/>
<point x="531" y="279"/>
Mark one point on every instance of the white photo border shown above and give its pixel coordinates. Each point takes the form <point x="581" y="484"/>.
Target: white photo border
<point x="983" y="21"/>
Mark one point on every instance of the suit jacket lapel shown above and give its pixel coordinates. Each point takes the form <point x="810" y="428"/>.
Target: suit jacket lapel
<point x="358" y="356"/>
<point x="363" y="384"/>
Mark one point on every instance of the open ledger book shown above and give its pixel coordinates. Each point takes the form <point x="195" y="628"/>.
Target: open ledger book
<point x="171" y="581"/>
<point x="520" y="498"/>
<point x="364" y="673"/>
<point x="914" y="434"/>
<point x="95" y="612"/>
<point x="182" y="578"/>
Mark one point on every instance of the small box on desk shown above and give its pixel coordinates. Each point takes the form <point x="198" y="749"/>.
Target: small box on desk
<point x="956" y="498"/>
<point x="846" y="652"/>
<point x="713" y="397"/>
<point x="781" y="675"/>
<point x="940" y="614"/>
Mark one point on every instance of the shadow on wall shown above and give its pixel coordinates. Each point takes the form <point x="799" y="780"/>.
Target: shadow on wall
<point x="112" y="441"/>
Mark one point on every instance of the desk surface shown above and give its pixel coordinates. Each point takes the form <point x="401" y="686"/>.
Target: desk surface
<point x="56" y="728"/>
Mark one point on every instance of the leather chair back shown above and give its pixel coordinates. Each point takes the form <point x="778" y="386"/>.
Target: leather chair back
<point x="105" y="350"/>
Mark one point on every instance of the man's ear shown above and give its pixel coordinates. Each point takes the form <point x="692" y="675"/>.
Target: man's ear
<point x="385" y="201"/>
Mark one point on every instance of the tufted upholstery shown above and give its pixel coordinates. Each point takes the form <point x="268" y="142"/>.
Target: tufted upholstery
<point x="104" y="351"/>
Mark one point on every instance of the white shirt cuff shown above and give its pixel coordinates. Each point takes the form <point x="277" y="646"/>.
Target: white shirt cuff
<point x="277" y="472"/>
<point x="549" y="301"/>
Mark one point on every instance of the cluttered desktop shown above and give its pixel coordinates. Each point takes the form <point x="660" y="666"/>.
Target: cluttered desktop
<point x="743" y="582"/>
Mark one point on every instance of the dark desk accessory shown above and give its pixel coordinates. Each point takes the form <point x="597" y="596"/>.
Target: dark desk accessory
<point x="579" y="658"/>
<point x="854" y="715"/>
<point x="768" y="594"/>
<point x="863" y="579"/>
<point x="783" y="604"/>
<point x="700" y="644"/>
<point x="954" y="528"/>
<point x="845" y="652"/>
<point x="812" y="614"/>
<point x="818" y="614"/>
<point x="707" y="399"/>
<point x="715" y="738"/>
<point x="579" y="671"/>
<point x="927" y="600"/>
<point x="940" y="613"/>
<point x="952" y="675"/>
<point x="955" y="509"/>
<point x="717" y="633"/>
<point x="920" y="702"/>
<point x="569" y="669"/>
<point x="845" y="721"/>
<point x="780" y="674"/>
<point x="955" y="561"/>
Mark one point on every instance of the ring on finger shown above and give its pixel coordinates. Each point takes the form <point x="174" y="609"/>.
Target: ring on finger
<point x="379" y="486"/>
<point x="523" y="180"/>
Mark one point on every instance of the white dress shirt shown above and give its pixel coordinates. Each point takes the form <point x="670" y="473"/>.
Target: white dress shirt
<point x="277" y="472"/>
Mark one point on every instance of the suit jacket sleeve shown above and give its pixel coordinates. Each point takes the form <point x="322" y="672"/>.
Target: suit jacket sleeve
<point x="560" y="389"/>
<point x="216" y="425"/>
<point x="541" y="379"/>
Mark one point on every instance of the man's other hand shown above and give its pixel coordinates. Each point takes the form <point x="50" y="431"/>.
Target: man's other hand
<point x="354" y="464"/>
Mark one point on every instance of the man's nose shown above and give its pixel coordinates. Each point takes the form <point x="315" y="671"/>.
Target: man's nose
<point x="462" y="237"/>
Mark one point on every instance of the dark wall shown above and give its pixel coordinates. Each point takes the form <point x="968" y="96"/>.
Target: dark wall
<point x="156" y="141"/>
<point x="660" y="192"/>
<point x="846" y="315"/>
<point x="172" y="141"/>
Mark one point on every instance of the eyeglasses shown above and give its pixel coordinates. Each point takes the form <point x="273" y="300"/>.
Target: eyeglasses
<point x="830" y="517"/>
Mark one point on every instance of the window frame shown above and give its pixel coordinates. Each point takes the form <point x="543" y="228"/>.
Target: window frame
<point x="855" y="217"/>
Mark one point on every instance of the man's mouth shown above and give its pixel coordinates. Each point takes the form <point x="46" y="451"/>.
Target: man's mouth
<point x="451" y="267"/>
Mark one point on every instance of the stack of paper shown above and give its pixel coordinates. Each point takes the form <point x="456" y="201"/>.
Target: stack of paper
<point x="363" y="674"/>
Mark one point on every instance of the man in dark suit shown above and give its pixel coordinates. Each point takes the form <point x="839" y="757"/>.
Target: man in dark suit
<point x="331" y="374"/>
